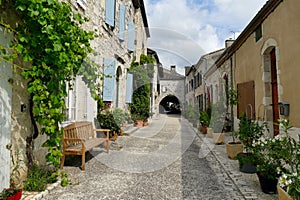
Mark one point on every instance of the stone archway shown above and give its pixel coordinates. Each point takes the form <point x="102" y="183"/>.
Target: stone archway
<point x="170" y="105"/>
<point x="270" y="54"/>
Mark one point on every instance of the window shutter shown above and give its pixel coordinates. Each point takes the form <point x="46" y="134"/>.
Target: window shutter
<point x="129" y="87"/>
<point x="110" y="12"/>
<point x="109" y="82"/>
<point x="130" y="36"/>
<point x="122" y="22"/>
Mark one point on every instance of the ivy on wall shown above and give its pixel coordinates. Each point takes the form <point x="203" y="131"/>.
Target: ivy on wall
<point x="52" y="40"/>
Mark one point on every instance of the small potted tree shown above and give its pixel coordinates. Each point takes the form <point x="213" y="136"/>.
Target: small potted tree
<point x="249" y="131"/>
<point x="217" y="121"/>
<point x="234" y="147"/>
<point x="204" y="118"/>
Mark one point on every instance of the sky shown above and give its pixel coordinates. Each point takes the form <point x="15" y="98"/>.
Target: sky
<point x="181" y="31"/>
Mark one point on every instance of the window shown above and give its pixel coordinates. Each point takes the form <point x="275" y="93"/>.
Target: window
<point x="258" y="33"/>
<point x="164" y="88"/>
<point x="110" y="12"/>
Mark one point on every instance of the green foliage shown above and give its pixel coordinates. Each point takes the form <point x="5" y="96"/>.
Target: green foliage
<point x="106" y="120"/>
<point x="120" y="116"/>
<point x="38" y="178"/>
<point x="52" y="41"/>
<point x="140" y="106"/>
<point x="204" y="117"/>
<point x="249" y="131"/>
<point x="218" y="115"/>
<point x="290" y="160"/>
<point x="9" y="192"/>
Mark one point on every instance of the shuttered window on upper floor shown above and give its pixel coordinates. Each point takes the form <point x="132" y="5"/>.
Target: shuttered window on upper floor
<point x="109" y="79"/>
<point x="110" y="12"/>
<point x="130" y="36"/>
<point x="258" y="33"/>
<point x="129" y="88"/>
<point x="122" y="22"/>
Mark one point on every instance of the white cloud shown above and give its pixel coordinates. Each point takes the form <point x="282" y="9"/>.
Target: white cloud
<point x="183" y="30"/>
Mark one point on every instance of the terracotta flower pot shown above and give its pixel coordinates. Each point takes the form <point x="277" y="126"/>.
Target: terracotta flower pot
<point x="203" y="129"/>
<point x="218" y="138"/>
<point x="139" y="123"/>
<point x="282" y="194"/>
<point x="233" y="148"/>
<point x="210" y="132"/>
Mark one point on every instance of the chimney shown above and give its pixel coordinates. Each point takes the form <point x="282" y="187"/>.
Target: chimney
<point x="229" y="42"/>
<point x="173" y="68"/>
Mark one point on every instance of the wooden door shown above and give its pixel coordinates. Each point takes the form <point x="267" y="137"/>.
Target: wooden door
<point x="246" y="99"/>
<point x="274" y="92"/>
<point x="5" y="112"/>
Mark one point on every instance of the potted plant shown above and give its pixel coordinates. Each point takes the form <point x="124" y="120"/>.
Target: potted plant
<point x="11" y="193"/>
<point x="268" y="162"/>
<point x="234" y="147"/>
<point x="249" y="131"/>
<point x="204" y="118"/>
<point x="217" y="121"/>
<point x="289" y="181"/>
<point x="106" y="120"/>
<point x="140" y="105"/>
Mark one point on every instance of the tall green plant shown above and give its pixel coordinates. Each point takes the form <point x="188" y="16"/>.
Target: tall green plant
<point x="51" y="39"/>
<point x="140" y="106"/>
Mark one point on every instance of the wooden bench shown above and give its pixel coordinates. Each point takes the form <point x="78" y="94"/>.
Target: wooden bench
<point x="80" y="137"/>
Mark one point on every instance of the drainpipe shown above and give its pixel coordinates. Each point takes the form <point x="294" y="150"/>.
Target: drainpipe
<point x="204" y="83"/>
<point x="231" y="86"/>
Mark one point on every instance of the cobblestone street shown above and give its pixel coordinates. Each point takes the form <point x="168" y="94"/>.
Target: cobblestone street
<point x="165" y="160"/>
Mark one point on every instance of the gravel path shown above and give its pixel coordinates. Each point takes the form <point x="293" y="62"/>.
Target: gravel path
<point x="165" y="160"/>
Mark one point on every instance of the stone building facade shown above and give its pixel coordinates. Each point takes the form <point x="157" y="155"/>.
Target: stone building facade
<point x="123" y="31"/>
<point x="265" y="65"/>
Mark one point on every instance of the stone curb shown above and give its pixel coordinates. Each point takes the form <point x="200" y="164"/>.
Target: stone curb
<point x="39" y="195"/>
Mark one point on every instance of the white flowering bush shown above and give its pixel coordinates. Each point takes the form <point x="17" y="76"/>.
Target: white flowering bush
<point x="267" y="155"/>
<point x="290" y="163"/>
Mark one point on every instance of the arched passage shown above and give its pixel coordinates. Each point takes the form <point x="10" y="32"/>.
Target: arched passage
<point x="170" y="105"/>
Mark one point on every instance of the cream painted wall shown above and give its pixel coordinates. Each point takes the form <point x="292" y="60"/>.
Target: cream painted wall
<point x="281" y="29"/>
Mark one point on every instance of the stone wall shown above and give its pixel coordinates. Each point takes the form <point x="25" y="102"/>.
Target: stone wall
<point x="107" y="45"/>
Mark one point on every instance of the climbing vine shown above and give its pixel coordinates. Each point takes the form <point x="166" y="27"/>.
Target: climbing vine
<point x="52" y="40"/>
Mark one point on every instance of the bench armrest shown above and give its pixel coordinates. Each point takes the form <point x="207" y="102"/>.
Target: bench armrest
<point x="106" y="131"/>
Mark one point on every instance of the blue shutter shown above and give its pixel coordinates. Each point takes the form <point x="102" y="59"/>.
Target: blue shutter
<point x="129" y="88"/>
<point x="110" y="12"/>
<point x="122" y="22"/>
<point x="130" y="36"/>
<point x="109" y="82"/>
